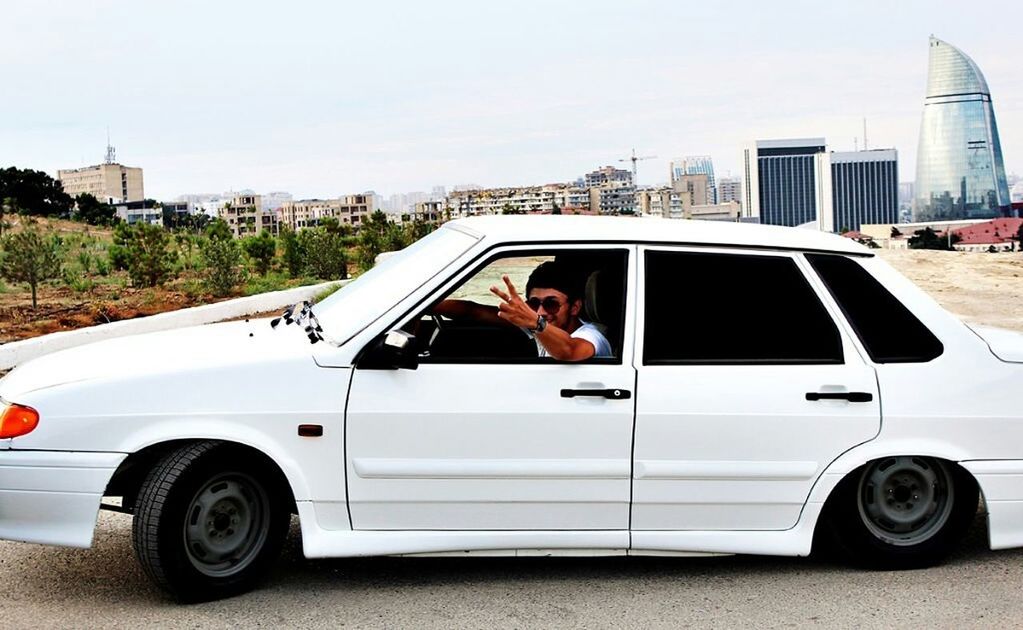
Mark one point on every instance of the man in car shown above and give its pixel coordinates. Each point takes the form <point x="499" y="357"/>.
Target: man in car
<point x="550" y="313"/>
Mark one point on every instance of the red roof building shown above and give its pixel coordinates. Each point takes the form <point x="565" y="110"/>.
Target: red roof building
<point x="994" y="232"/>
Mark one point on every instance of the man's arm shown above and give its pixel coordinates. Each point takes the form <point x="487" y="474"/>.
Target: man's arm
<point x="465" y="309"/>
<point x="563" y="346"/>
<point x="558" y="343"/>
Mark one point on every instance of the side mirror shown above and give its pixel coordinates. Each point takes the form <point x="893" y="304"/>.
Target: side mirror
<point x="394" y="351"/>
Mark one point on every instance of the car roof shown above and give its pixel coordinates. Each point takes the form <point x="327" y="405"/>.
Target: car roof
<point x="580" y="228"/>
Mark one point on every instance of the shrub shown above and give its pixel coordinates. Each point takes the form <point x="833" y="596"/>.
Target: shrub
<point x="85" y="261"/>
<point x="78" y="283"/>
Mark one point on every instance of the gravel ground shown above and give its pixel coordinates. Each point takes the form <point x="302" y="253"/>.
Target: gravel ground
<point x="103" y="587"/>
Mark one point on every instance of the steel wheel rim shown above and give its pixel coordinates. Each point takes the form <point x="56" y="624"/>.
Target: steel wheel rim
<point x="226" y="524"/>
<point x="904" y="501"/>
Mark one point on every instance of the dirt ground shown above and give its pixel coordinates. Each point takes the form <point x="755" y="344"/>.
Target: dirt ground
<point x="980" y="288"/>
<point x="60" y="308"/>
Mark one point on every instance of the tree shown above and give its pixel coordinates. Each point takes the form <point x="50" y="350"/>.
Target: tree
<point x="93" y="211"/>
<point x="261" y="249"/>
<point x="118" y="250"/>
<point x="325" y="253"/>
<point x="184" y="243"/>
<point x="294" y="252"/>
<point x="377" y="235"/>
<point x="150" y="259"/>
<point x="35" y="192"/>
<point x="929" y="239"/>
<point x="31" y="258"/>
<point x="218" y="229"/>
<point x="221" y="261"/>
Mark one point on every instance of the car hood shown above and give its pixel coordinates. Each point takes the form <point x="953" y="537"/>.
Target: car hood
<point x="1007" y="345"/>
<point x="172" y="351"/>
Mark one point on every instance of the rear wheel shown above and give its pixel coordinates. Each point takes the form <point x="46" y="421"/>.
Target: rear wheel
<point x="902" y="512"/>
<point x="210" y="520"/>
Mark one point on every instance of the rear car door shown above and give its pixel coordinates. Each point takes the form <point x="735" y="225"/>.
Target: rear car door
<point x="747" y="386"/>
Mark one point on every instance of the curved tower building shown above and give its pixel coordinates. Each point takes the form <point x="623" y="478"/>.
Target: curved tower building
<point x="959" y="170"/>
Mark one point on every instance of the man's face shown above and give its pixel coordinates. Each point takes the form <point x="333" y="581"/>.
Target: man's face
<point x="553" y="306"/>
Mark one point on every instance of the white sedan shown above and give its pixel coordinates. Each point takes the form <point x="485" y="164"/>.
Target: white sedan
<point x="687" y="387"/>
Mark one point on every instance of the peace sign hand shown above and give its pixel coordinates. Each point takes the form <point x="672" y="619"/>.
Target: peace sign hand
<point x="513" y="309"/>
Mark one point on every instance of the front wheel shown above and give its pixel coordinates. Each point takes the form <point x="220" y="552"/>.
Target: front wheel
<point x="210" y="520"/>
<point x="902" y="512"/>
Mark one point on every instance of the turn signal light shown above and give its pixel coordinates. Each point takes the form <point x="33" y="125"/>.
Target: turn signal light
<point x="17" y="420"/>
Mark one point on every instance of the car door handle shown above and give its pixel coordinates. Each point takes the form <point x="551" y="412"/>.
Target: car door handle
<point x="613" y="394"/>
<point x="850" y="396"/>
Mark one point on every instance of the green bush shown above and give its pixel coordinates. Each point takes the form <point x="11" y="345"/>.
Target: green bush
<point x="78" y="282"/>
<point x="85" y="261"/>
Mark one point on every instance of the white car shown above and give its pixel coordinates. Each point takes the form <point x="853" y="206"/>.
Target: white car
<point x="766" y="386"/>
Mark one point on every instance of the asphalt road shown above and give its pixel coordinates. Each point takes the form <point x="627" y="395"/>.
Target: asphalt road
<point x="103" y="587"/>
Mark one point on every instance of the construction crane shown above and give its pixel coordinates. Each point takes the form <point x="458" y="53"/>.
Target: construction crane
<point x="635" y="159"/>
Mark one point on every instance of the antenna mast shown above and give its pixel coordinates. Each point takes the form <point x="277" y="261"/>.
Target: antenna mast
<point x="111" y="156"/>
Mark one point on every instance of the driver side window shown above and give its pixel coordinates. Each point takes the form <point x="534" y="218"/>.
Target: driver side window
<point x="580" y="291"/>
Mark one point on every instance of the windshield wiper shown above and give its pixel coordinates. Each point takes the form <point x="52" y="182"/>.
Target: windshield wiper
<point x="301" y="314"/>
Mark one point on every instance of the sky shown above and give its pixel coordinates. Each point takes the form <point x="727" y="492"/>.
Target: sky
<point x="322" y="99"/>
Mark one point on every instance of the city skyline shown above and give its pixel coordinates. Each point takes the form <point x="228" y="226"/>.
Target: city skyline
<point x="410" y="97"/>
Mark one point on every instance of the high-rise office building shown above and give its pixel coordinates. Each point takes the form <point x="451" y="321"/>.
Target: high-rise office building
<point x="864" y="188"/>
<point x="784" y="181"/>
<point x="959" y="172"/>
<point x="696" y="165"/>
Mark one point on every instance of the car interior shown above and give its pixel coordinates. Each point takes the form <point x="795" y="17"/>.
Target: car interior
<point x="443" y="340"/>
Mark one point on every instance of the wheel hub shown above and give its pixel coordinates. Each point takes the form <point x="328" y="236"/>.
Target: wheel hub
<point x="226" y="525"/>
<point x="905" y="500"/>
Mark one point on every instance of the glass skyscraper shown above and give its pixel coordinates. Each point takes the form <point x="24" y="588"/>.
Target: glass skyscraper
<point x="959" y="172"/>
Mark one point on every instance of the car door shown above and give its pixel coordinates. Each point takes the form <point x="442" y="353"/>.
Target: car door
<point x="747" y="389"/>
<point x="494" y="443"/>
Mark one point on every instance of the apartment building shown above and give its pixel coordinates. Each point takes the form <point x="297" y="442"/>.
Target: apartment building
<point x="246" y="217"/>
<point x="349" y="209"/>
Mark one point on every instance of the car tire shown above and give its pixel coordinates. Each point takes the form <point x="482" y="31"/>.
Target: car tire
<point x="210" y="520"/>
<point x="903" y="512"/>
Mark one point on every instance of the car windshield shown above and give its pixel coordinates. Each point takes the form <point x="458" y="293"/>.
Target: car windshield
<point x="360" y="302"/>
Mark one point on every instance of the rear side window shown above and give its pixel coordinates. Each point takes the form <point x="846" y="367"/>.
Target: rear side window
<point x="704" y="308"/>
<point x="889" y="332"/>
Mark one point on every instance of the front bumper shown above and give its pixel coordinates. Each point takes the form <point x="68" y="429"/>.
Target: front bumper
<point x="53" y="497"/>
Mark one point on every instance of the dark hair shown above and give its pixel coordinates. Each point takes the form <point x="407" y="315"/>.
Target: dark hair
<point x="558" y="276"/>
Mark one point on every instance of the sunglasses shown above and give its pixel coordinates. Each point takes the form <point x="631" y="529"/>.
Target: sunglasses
<point x="550" y="304"/>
